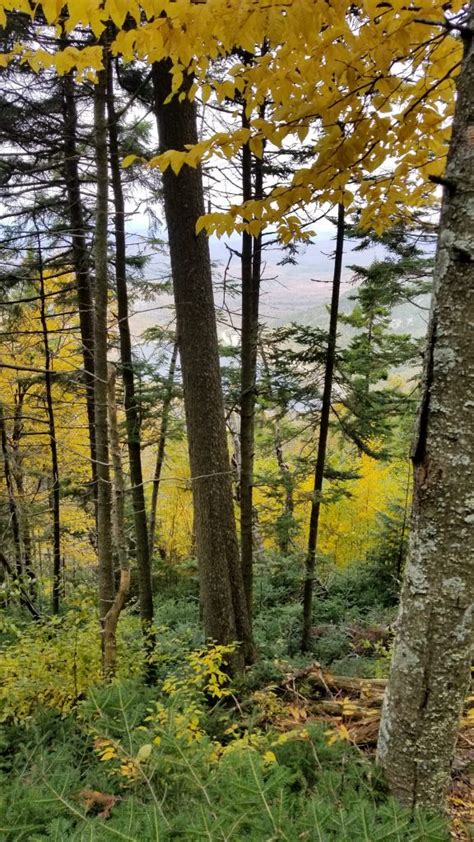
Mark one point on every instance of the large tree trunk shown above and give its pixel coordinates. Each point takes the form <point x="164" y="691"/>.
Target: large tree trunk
<point x="430" y="667"/>
<point x="53" y="446"/>
<point x="160" y="453"/>
<point x="104" y="519"/>
<point x="80" y="257"/>
<point x="132" y="410"/>
<point x="223" y="600"/>
<point x="323" y="437"/>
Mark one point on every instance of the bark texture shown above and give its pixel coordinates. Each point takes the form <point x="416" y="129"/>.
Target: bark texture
<point x="225" y="613"/>
<point x="430" y="668"/>
<point x="118" y="485"/>
<point x="323" y="437"/>
<point x="104" y="519"/>
<point x="118" y="518"/>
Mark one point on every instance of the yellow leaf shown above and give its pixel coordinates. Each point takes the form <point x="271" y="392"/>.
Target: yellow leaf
<point x="144" y="753"/>
<point x="129" y="160"/>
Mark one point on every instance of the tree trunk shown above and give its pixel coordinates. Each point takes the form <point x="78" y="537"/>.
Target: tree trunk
<point x="104" y="519"/>
<point x="81" y="258"/>
<point x="132" y="410"/>
<point x="17" y="469"/>
<point x="225" y="612"/>
<point x="118" y="521"/>
<point x="430" y="667"/>
<point x="323" y="436"/>
<point x="249" y="340"/>
<point x="24" y="595"/>
<point x="118" y="485"/>
<point x="285" y="473"/>
<point x="12" y="506"/>
<point x="160" y="454"/>
<point x="53" y="446"/>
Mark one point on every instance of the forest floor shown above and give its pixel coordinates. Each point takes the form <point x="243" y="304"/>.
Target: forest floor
<point x="351" y="706"/>
<point x="286" y="753"/>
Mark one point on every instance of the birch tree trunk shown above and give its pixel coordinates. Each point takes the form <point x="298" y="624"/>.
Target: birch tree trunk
<point x="430" y="668"/>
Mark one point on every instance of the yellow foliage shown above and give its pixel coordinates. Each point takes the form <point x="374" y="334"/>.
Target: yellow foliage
<point x="23" y="392"/>
<point x="54" y="662"/>
<point x="360" y="75"/>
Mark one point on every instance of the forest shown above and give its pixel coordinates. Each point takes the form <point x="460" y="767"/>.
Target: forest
<point x="236" y="420"/>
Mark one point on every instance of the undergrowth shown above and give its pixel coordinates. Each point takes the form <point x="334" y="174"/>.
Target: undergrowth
<point x="137" y="764"/>
<point x="191" y="757"/>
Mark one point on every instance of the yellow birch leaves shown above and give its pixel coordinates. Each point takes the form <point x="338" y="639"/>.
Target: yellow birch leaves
<point x="369" y="89"/>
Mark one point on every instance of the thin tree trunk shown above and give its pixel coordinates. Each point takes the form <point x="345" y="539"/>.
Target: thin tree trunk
<point x="24" y="596"/>
<point x="323" y="436"/>
<point x="17" y="469"/>
<point x="225" y="613"/>
<point x="118" y="485"/>
<point x="12" y="506"/>
<point x="160" y="454"/>
<point x="81" y="258"/>
<point x="132" y="410"/>
<point x="250" y="307"/>
<point x="104" y="519"/>
<point x="285" y="473"/>
<point x="55" y="487"/>
<point x="431" y="661"/>
<point x="118" y="522"/>
<point x="247" y="388"/>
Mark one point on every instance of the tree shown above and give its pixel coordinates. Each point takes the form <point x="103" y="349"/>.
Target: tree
<point x="223" y="601"/>
<point x="132" y="413"/>
<point x="118" y="518"/>
<point x="104" y="497"/>
<point x="431" y="660"/>
<point x="251" y="261"/>
<point x="160" y="452"/>
<point x="323" y="436"/>
<point x="80" y="255"/>
<point x="53" y="445"/>
<point x="372" y="404"/>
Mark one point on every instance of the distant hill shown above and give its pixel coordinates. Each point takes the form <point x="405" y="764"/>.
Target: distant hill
<point x="409" y="318"/>
<point x="290" y="293"/>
